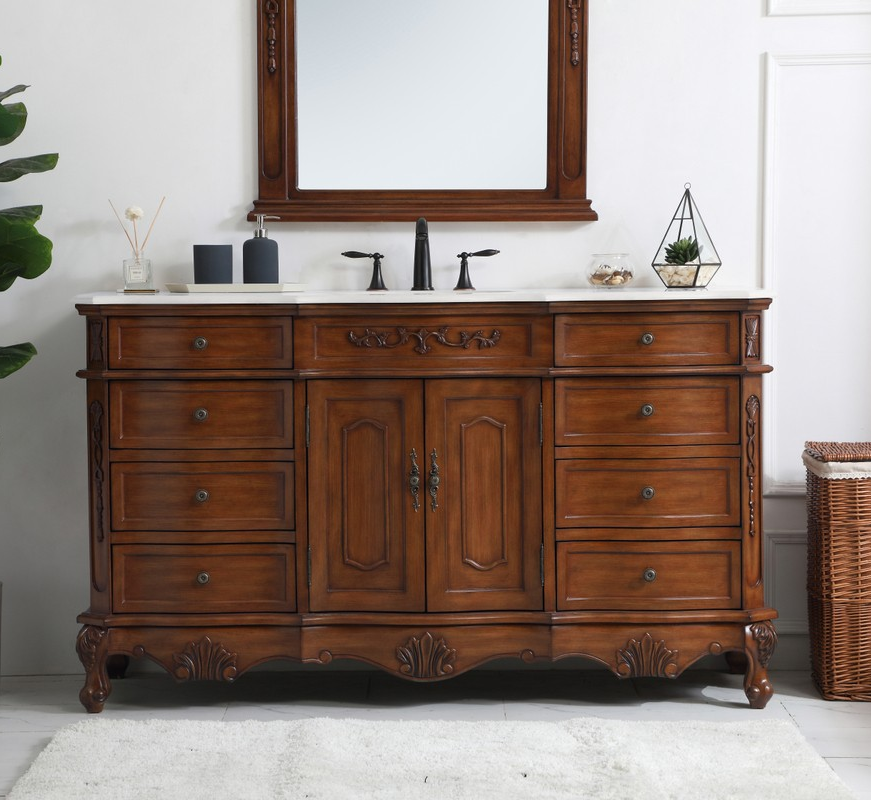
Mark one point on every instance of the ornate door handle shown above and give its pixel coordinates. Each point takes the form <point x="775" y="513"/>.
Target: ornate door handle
<point x="414" y="480"/>
<point x="434" y="479"/>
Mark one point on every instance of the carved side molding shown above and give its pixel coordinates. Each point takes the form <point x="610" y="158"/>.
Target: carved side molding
<point x="95" y="416"/>
<point x="270" y="10"/>
<point x="646" y="658"/>
<point x="205" y="661"/>
<point x="752" y="410"/>
<point x="574" y="32"/>
<point x="424" y="657"/>
<point x="380" y="339"/>
<point x="96" y="355"/>
<point x="751" y="337"/>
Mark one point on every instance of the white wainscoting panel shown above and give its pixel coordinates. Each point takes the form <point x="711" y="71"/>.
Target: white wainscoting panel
<point x="816" y="232"/>
<point x="779" y="8"/>
<point x="786" y="579"/>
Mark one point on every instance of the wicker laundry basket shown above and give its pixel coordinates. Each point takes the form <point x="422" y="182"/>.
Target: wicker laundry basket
<point x="839" y="567"/>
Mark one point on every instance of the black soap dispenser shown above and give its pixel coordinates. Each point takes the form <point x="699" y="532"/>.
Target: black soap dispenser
<point x="260" y="256"/>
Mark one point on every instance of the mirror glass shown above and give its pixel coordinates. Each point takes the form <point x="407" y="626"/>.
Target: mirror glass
<point x="393" y="94"/>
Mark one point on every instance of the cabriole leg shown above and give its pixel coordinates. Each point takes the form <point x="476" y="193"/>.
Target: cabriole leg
<point x="760" y="639"/>
<point x="91" y="646"/>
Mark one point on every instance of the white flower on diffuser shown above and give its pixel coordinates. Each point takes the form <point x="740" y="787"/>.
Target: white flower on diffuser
<point x="134" y="213"/>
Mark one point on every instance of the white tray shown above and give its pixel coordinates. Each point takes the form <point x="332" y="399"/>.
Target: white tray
<point x="236" y="287"/>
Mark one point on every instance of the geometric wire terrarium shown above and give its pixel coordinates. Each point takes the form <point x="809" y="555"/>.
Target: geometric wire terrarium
<point x="687" y="258"/>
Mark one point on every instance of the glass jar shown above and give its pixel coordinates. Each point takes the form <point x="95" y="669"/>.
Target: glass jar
<point x="137" y="274"/>
<point x="610" y="270"/>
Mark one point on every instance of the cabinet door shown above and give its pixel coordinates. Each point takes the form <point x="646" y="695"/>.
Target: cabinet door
<point x="366" y="538"/>
<point x="484" y="533"/>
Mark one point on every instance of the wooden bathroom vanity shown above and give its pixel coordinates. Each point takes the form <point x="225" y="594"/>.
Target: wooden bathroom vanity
<point x="424" y="483"/>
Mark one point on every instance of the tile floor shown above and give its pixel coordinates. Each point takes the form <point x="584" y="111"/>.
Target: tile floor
<point x="33" y="708"/>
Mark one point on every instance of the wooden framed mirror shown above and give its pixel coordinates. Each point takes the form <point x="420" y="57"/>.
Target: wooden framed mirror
<point x="352" y="94"/>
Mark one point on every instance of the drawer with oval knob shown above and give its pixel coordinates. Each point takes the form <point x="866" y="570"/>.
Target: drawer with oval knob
<point x="647" y="411"/>
<point x="201" y="414"/>
<point x="189" y="579"/>
<point x="681" y="338"/>
<point x="424" y="340"/>
<point x="244" y="495"/>
<point x="648" y="575"/>
<point x="175" y="342"/>
<point x="655" y="492"/>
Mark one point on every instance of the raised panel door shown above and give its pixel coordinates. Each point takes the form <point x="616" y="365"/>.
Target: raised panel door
<point x="366" y="528"/>
<point x="484" y="525"/>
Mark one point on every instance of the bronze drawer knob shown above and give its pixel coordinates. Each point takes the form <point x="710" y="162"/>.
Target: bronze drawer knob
<point x="201" y="343"/>
<point x="647" y="410"/>
<point x="201" y="414"/>
<point x="647" y="338"/>
<point x="648" y="492"/>
<point x="201" y="496"/>
<point x="649" y="575"/>
<point x="203" y="578"/>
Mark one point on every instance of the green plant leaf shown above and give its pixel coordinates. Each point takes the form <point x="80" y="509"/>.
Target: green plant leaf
<point x="29" y="214"/>
<point x="24" y="252"/>
<point x="16" y="167"/>
<point x="13" y="118"/>
<point x="8" y="273"/>
<point x="14" y="90"/>
<point x="14" y="357"/>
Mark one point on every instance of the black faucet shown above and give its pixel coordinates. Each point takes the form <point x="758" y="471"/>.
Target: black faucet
<point x="422" y="266"/>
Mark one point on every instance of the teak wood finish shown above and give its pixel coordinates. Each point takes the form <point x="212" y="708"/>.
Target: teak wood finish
<point x="564" y="196"/>
<point x="425" y="488"/>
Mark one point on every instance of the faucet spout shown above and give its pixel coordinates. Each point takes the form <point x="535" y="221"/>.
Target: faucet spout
<point x="422" y="266"/>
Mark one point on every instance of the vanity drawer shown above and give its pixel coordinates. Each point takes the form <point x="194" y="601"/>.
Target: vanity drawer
<point x="201" y="414"/>
<point x="243" y="495"/>
<point x="682" y="338"/>
<point x="647" y="411"/>
<point x="648" y="575"/>
<point x="648" y="493"/>
<point x="174" y="342"/>
<point x="190" y="579"/>
<point x="474" y="342"/>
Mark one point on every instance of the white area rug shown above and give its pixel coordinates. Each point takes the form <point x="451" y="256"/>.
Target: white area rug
<point x="353" y="759"/>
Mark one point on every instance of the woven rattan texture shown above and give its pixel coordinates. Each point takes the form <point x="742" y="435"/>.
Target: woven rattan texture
<point x="839" y="586"/>
<point x="839" y="451"/>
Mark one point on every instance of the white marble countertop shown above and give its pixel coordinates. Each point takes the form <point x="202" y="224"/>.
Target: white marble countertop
<point x="439" y="296"/>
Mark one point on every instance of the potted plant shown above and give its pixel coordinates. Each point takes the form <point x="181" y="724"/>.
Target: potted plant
<point x="24" y="252"/>
<point x="689" y="260"/>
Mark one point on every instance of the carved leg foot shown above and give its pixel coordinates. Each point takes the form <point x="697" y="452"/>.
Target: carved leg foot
<point x="760" y="639"/>
<point x="91" y="646"/>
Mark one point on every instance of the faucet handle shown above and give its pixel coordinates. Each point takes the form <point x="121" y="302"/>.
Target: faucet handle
<point x="465" y="282"/>
<point x="377" y="282"/>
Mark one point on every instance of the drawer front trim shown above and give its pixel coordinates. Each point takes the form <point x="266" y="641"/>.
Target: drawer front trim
<point x="201" y="414"/>
<point x="648" y="575"/>
<point x="244" y="495"/>
<point x="656" y="492"/>
<point x="190" y="579"/>
<point x="200" y="343"/>
<point x="686" y="339"/>
<point x="647" y="411"/>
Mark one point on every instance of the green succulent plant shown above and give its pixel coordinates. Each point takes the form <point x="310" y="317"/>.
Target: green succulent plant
<point x="24" y="252"/>
<point x="682" y="251"/>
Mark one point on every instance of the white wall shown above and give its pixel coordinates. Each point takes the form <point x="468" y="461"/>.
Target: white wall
<point x="158" y="98"/>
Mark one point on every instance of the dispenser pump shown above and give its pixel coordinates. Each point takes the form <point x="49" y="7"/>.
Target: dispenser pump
<point x="260" y="232"/>
<point x="260" y="255"/>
